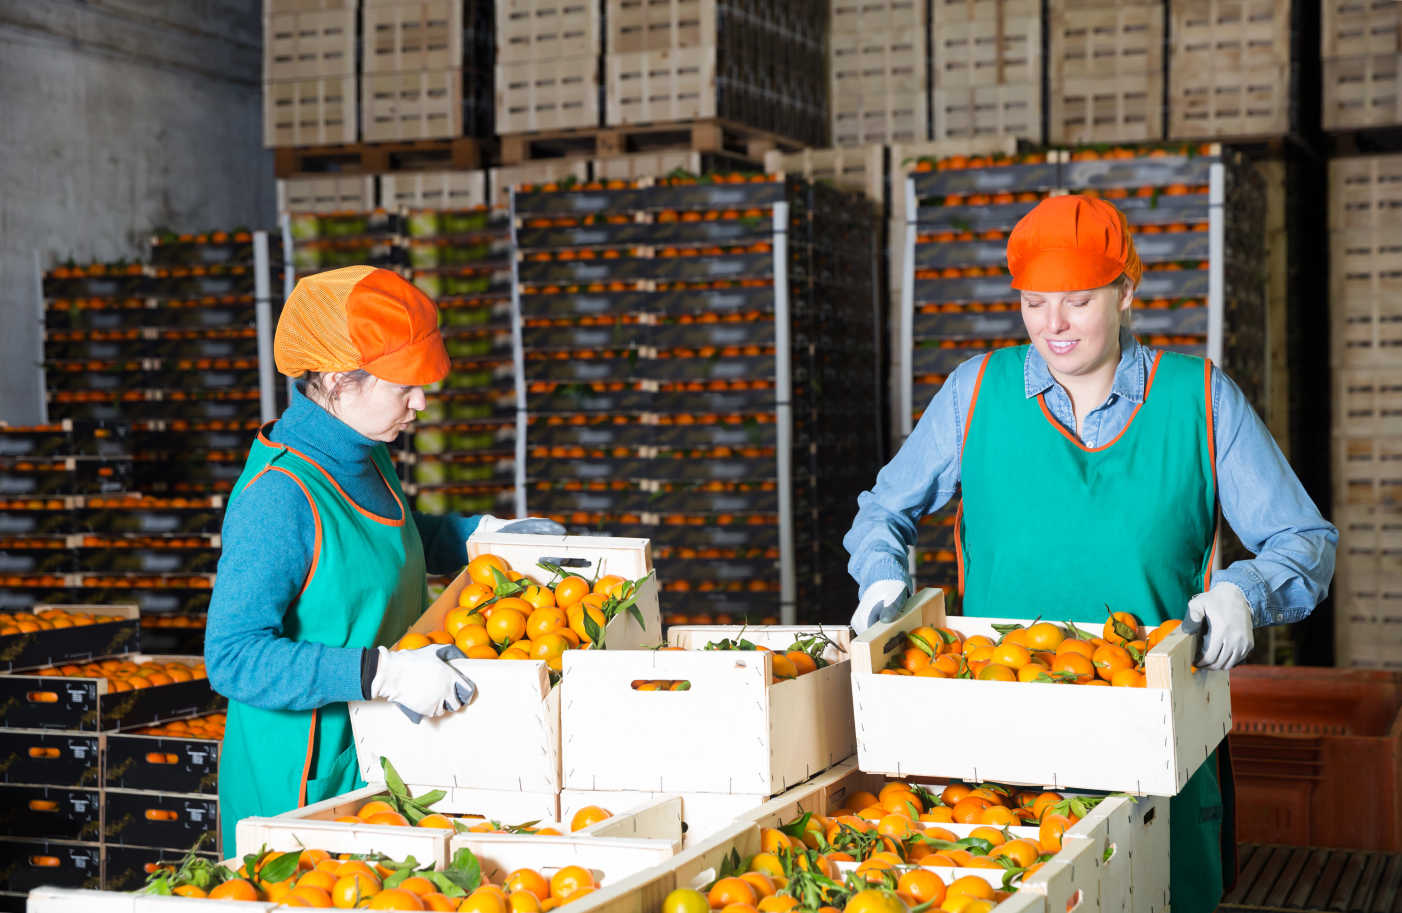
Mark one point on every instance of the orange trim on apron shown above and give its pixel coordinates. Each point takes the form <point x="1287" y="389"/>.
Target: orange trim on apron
<point x="387" y="521"/>
<point x="1212" y="458"/>
<point x="1042" y="401"/>
<point x="307" y="764"/>
<point x="959" y="513"/>
<point x="316" y="519"/>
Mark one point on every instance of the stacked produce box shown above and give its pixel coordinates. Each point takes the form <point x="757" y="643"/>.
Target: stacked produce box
<point x="547" y="65"/>
<point x="1365" y="339"/>
<point x="309" y="67"/>
<point x="1197" y="214"/>
<point x="987" y="68"/>
<point x="879" y="72"/>
<point x="1361" y="44"/>
<point x="90" y="791"/>
<point x="1229" y="70"/>
<point x="1105" y="72"/>
<point x="687" y="350"/>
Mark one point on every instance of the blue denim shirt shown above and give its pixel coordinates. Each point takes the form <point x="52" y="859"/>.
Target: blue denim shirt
<point x="1260" y="496"/>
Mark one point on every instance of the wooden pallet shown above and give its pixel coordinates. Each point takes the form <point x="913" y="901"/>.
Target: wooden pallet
<point x="1300" y="879"/>
<point x="459" y="153"/>
<point x="713" y="135"/>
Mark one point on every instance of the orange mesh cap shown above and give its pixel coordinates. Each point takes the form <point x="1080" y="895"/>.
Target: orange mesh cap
<point x="360" y="317"/>
<point x="1071" y="243"/>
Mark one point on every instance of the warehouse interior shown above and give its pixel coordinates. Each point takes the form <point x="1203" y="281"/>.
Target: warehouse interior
<point x="700" y="267"/>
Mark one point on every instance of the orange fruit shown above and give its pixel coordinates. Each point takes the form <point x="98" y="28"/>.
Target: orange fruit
<point x="470" y="636"/>
<point x="545" y="620"/>
<point x="373" y="807"/>
<point x="1129" y="678"/>
<point x="954" y="792"/>
<point x="474" y="595"/>
<point x="970" y="886"/>
<point x="234" y="889"/>
<point x="764" y="885"/>
<point x="570" y="880"/>
<point x="576" y="616"/>
<point x="991" y="834"/>
<point x="1032" y="672"/>
<point x="589" y="814"/>
<point x="777" y="903"/>
<point x="1126" y="620"/>
<point x="483" y="900"/>
<point x="550" y="648"/>
<point x="609" y="585"/>
<point x="395" y="899"/>
<point x="541" y="597"/>
<point x="767" y="863"/>
<point x="1110" y="659"/>
<point x="1157" y="635"/>
<point x="319" y="898"/>
<point x="454" y="620"/>
<point x="1012" y="656"/>
<point x="919" y="886"/>
<point x="389" y="819"/>
<point x="996" y="673"/>
<point x="439" y="821"/>
<point x="731" y="890"/>
<point x="506" y="626"/>
<point x="528" y="880"/>
<point x="570" y="591"/>
<point x="1043" y="636"/>
<point x="1075" y="663"/>
<point x="1050" y="831"/>
<point x="412" y="641"/>
<point x="1072" y="645"/>
<point x="1022" y="851"/>
<point x="782" y="667"/>
<point x="522" y="902"/>
<point x="802" y="662"/>
<point x="480" y="569"/>
<point x="440" y="903"/>
<point x="485" y="651"/>
<point x="860" y="800"/>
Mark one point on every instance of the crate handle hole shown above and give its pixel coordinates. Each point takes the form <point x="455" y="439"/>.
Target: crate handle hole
<point x="42" y="697"/>
<point x="568" y="562"/>
<point x="43" y="805"/>
<point x="1074" y="901"/>
<point x="41" y="752"/>
<point x="1149" y="815"/>
<point x="1110" y="850"/>
<point x="45" y="862"/>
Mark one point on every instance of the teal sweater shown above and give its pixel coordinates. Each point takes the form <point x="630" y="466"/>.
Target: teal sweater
<point x="268" y="538"/>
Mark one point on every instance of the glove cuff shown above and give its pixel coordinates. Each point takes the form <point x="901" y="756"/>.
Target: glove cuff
<point x="369" y="666"/>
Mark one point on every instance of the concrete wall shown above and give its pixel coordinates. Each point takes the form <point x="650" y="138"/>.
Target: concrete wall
<point x="118" y="116"/>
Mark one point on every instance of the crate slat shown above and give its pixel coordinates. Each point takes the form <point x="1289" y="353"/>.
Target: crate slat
<point x="1362" y="91"/>
<point x="659" y="25"/>
<point x="433" y="189"/>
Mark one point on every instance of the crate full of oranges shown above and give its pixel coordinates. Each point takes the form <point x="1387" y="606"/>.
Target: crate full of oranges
<point x="1023" y="682"/>
<point x="119" y="692"/>
<point x="522" y="604"/>
<point x="50" y="634"/>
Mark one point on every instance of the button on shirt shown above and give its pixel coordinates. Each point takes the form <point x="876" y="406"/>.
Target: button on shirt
<point x="1260" y="496"/>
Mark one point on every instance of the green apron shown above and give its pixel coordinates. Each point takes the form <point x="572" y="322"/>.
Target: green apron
<point x="367" y="584"/>
<point x="1049" y="527"/>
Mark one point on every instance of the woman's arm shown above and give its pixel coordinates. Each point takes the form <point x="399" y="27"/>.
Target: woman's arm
<point x="268" y="538"/>
<point x="445" y="540"/>
<point x="1268" y="509"/>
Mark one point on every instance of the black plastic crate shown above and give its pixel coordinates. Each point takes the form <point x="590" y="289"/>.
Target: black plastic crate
<point x="126" y="868"/>
<point x="118" y="635"/>
<point x="55" y="812"/>
<point x="29" y="864"/>
<point x="53" y="702"/>
<point x="162" y="763"/>
<point x="159" y="819"/>
<point x="43" y="758"/>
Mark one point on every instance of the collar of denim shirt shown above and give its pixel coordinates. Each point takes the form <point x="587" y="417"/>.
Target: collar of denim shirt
<point x="1131" y="374"/>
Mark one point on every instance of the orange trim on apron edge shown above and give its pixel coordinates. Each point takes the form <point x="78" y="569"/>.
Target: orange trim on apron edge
<point x="1042" y="401"/>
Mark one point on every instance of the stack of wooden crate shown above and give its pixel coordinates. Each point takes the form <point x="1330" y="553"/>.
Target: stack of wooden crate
<point x="1105" y="74"/>
<point x="987" y="68"/>
<point x="879" y="72"/>
<point x="309" y="72"/>
<point x="547" y="65"/>
<point x="1366" y="340"/>
<point x="1229" y="68"/>
<point x="412" y="70"/>
<point x="1361" y="43"/>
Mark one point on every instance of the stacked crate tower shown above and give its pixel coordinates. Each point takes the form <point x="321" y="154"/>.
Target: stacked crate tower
<point x="1361" y="43"/>
<point x="688" y="350"/>
<point x="1229" y="72"/>
<point x="1105" y="73"/>
<point x="309" y="73"/>
<point x="879" y="72"/>
<point x="986" y="64"/>
<point x="1366" y="341"/>
<point x="1198" y="218"/>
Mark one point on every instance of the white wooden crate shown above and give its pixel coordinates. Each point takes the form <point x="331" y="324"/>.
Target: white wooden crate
<point x="74" y="900"/>
<point x="547" y="94"/>
<point x="400" y="37"/>
<point x="420" y="104"/>
<point x="646" y="165"/>
<point x="609" y="860"/>
<point x="309" y="44"/>
<point x="1164" y="731"/>
<point x="514" y="701"/>
<point x="309" y="112"/>
<point x="504" y="177"/>
<point x="660" y="86"/>
<point x="787" y="732"/>
<point x="862" y="169"/>
<point x="544" y="30"/>
<point x="433" y="190"/>
<point x="349" y="193"/>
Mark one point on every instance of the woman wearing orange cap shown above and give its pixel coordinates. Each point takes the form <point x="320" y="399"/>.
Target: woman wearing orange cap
<point x="323" y="563"/>
<point x="1091" y="470"/>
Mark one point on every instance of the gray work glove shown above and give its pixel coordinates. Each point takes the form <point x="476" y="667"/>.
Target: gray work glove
<point x="1230" y="633"/>
<point x="882" y="601"/>
<point x="422" y="682"/>
<point x="529" y="526"/>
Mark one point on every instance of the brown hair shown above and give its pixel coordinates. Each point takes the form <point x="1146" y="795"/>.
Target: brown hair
<point x="328" y="397"/>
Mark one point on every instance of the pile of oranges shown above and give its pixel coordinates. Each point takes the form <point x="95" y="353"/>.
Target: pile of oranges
<point x="314" y="878"/>
<point x="49" y="620"/>
<point x="503" y="614"/>
<point x="383" y="812"/>
<point x="126" y="675"/>
<point x="895" y="838"/>
<point x="209" y="726"/>
<point x="1041" y="652"/>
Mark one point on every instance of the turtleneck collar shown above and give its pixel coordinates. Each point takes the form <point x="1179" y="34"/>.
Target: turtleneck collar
<point x="308" y="427"/>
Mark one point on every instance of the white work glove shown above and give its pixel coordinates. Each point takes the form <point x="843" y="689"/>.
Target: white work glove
<point x="882" y="601"/>
<point x="529" y="526"/>
<point x="422" y="682"/>
<point x="1230" y="633"/>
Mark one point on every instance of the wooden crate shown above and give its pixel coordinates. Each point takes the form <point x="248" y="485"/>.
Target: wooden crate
<point x="1365" y="193"/>
<point x="1367" y="617"/>
<point x="943" y="12"/>
<point x="610" y="860"/>
<point x="1368" y="470"/>
<point x="549" y="94"/>
<point x="1105" y="73"/>
<point x="1368" y="401"/>
<point x="906" y="156"/>
<point x="542" y="31"/>
<point x="515" y="700"/>
<point x="1164" y="733"/>
<point x="424" y="104"/>
<point x="646" y="165"/>
<point x="990" y="110"/>
<point x="978" y="53"/>
<point x="1370" y="537"/>
<point x="277" y="7"/>
<point x="422" y="35"/>
<point x="503" y="178"/>
<point x="1362" y="91"/>
<point x="352" y="193"/>
<point x="862" y="169"/>
<point x="889" y="117"/>
<point x="1229" y="68"/>
<point x="1365" y="298"/>
<point x="784" y="733"/>
<point x="855" y="16"/>
<point x="433" y="190"/>
<point x="1357" y="28"/>
<point x="309" y="112"/>
<point x="309" y="44"/>
<point x="874" y="63"/>
<point x="660" y="86"/>
<point x="659" y="25"/>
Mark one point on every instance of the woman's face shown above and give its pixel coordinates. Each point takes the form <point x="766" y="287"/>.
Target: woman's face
<point x="1076" y="332"/>
<point x="376" y="408"/>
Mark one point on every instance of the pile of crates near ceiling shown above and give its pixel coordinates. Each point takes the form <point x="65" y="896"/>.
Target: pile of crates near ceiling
<point x="879" y="72"/>
<point x="93" y="793"/>
<point x="309" y="73"/>
<point x="956" y="303"/>
<point x="1105" y="71"/>
<point x="1361" y="44"/>
<point x="986" y="62"/>
<point x="1366" y="342"/>
<point x="1229" y="71"/>
<point x="688" y="350"/>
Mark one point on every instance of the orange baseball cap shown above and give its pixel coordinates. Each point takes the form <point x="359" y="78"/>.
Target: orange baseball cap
<point x="1071" y="243"/>
<point x="360" y="317"/>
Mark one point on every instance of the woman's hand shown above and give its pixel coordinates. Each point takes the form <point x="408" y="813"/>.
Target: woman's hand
<point x="528" y="526"/>
<point x="422" y="682"/>
<point x="1230" y="633"/>
<point x="882" y="601"/>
